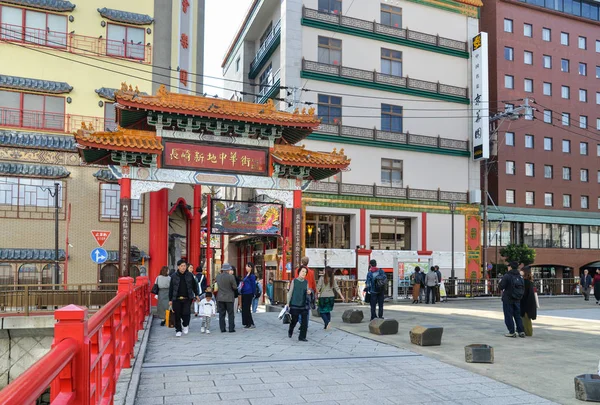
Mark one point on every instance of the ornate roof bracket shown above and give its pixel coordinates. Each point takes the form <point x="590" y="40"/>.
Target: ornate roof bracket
<point x="190" y="125"/>
<point x="130" y="158"/>
<point x="300" y="173"/>
<point x="159" y="123"/>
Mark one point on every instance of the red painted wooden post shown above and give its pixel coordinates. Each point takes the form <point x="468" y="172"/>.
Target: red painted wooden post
<point x="72" y="323"/>
<point x="126" y="286"/>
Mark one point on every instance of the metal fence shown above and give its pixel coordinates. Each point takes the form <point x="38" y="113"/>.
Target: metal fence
<point x="491" y="288"/>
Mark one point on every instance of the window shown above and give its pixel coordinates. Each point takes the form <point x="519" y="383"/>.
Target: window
<point x="529" y="141"/>
<point x="34" y="111"/>
<point x="598" y="150"/>
<point x="528" y="30"/>
<point x="564" y="38"/>
<point x="583" y="175"/>
<point x="564" y="65"/>
<point x="564" y="92"/>
<point x="598" y="45"/>
<point x="390" y="233"/>
<point x="547" y="89"/>
<point x="582" y="69"/>
<point x="528" y="57"/>
<point x="33" y="27"/>
<point x="510" y="196"/>
<point x="548" y="171"/>
<point x="566" y="173"/>
<point x="391" y="16"/>
<point x="327" y="231"/>
<point x="566" y="200"/>
<point x="509" y="53"/>
<point x="585" y="202"/>
<point x="598" y="98"/>
<point x="265" y="79"/>
<point x="391" y="118"/>
<point x="566" y="119"/>
<point x="330" y="6"/>
<point x="510" y="167"/>
<point x="548" y="116"/>
<point x="583" y="148"/>
<point x="598" y="125"/>
<point x="548" y="197"/>
<point x="509" y="82"/>
<point x="330" y="51"/>
<point x="237" y="64"/>
<point x="582" y="43"/>
<point x="126" y="42"/>
<point x="598" y="176"/>
<point x="583" y="95"/>
<point x="391" y="172"/>
<point x="110" y="119"/>
<point x="597" y="72"/>
<point x="529" y="170"/>
<point x="529" y="198"/>
<point x="510" y="139"/>
<point x="30" y="198"/>
<point x="110" y="202"/>
<point x="583" y="121"/>
<point x="547" y="143"/>
<point x="329" y="109"/>
<point x="391" y="62"/>
<point x="528" y="85"/>
<point x="599" y="203"/>
<point x="508" y="25"/>
<point x="546" y="34"/>
<point x="547" y="61"/>
<point x="566" y="146"/>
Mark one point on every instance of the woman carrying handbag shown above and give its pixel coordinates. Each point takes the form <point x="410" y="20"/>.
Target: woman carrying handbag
<point x="327" y="287"/>
<point x="163" y="281"/>
<point x="528" y="302"/>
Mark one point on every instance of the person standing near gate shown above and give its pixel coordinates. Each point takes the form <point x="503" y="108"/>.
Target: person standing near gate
<point x="226" y="286"/>
<point x="247" y="291"/>
<point x="376" y="282"/>
<point x="439" y="280"/>
<point x="513" y="290"/>
<point x="586" y="284"/>
<point x="431" y="281"/>
<point x="182" y="290"/>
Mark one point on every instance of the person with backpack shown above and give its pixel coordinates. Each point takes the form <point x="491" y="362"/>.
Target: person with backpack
<point x="376" y="287"/>
<point x="247" y="290"/>
<point x="257" y="295"/>
<point x="513" y="290"/>
<point x="431" y="282"/>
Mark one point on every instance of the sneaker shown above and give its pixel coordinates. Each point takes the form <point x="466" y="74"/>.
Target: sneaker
<point x="178" y="334"/>
<point x="512" y="335"/>
<point x="207" y="331"/>
<point x="252" y="327"/>
<point x="186" y="330"/>
<point x="202" y="329"/>
<point x="522" y="334"/>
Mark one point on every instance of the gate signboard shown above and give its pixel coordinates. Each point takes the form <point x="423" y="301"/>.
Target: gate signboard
<point x="245" y="217"/>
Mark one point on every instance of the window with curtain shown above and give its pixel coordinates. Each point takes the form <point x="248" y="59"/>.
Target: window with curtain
<point x="330" y="6"/>
<point x="391" y="173"/>
<point x="329" y="109"/>
<point x="391" y="16"/>
<point x="330" y="51"/>
<point x="389" y="233"/>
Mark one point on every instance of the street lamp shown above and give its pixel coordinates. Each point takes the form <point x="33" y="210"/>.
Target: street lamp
<point x="452" y="206"/>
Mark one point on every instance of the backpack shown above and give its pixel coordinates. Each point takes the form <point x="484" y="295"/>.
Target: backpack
<point x="257" y="290"/>
<point x="518" y="288"/>
<point x="381" y="281"/>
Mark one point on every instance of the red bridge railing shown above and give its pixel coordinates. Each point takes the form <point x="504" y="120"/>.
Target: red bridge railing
<point x="87" y="356"/>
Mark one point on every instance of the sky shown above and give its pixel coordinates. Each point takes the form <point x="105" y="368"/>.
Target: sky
<point x="222" y="21"/>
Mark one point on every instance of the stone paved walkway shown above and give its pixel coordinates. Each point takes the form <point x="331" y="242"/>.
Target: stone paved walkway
<point x="263" y="366"/>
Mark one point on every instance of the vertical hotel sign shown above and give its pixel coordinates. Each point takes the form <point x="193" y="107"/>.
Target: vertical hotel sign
<point x="185" y="46"/>
<point x="480" y="96"/>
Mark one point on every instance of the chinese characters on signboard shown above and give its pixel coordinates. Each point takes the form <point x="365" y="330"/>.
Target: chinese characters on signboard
<point x="297" y="238"/>
<point x="125" y="233"/>
<point x="186" y="19"/>
<point x="473" y="253"/>
<point x="215" y="158"/>
<point x="480" y="97"/>
<point x="245" y="218"/>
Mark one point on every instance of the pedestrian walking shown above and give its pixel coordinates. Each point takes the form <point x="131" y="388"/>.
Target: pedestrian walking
<point x="528" y="303"/>
<point x="310" y="278"/>
<point x="257" y="295"/>
<point x="182" y="290"/>
<point x="247" y="290"/>
<point x="237" y="304"/>
<point x="586" y="284"/>
<point x="270" y="289"/>
<point x="207" y="312"/>
<point x="376" y="282"/>
<point x="326" y="288"/>
<point x="513" y="289"/>
<point x="202" y="280"/>
<point x="163" y="281"/>
<point x="431" y="281"/>
<point x="297" y="304"/>
<point x="416" y="279"/>
<point x="596" y="285"/>
<point x="227" y="287"/>
<point x="439" y="281"/>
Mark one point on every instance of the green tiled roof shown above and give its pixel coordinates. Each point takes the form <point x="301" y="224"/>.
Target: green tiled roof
<point x="37" y="140"/>
<point x="54" y="5"/>
<point x="125" y="16"/>
<point x="29" y="170"/>
<point x="43" y="86"/>
<point x="105" y="175"/>
<point x="37" y="255"/>
<point x="563" y="217"/>
<point x="113" y="256"/>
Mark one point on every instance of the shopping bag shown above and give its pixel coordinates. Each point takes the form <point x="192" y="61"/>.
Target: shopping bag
<point x="170" y="318"/>
<point x="282" y="312"/>
<point x="442" y="290"/>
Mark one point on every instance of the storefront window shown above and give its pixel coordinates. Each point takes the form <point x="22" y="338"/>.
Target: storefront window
<point x="390" y="233"/>
<point x="499" y="233"/>
<point x="548" y="235"/>
<point x="327" y="231"/>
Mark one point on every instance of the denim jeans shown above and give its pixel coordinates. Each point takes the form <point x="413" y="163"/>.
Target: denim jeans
<point x="326" y="318"/>
<point x="377" y="299"/>
<point x="512" y="310"/>
<point x="254" y="305"/>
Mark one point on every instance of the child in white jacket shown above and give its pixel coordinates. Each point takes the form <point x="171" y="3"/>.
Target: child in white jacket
<point x="206" y="310"/>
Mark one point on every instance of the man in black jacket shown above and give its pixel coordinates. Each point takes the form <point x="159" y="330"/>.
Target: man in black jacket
<point x="182" y="290"/>
<point x="511" y="306"/>
<point x="586" y="284"/>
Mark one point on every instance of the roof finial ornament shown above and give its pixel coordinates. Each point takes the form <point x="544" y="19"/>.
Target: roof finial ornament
<point x="342" y="152"/>
<point x="296" y="111"/>
<point x="304" y="111"/>
<point x="162" y="91"/>
<point x="124" y="86"/>
<point x="311" y="111"/>
<point x="270" y="107"/>
<point x="137" y="90"/>
<point x="83" y="126"/>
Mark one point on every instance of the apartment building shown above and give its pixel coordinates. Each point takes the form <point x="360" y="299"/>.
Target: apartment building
<point x="61" y="64"/>
<point x="546" y="176"/>
<point x="390" y="81"/>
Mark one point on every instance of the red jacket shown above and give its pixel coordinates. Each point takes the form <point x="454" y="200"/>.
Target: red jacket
<point x="596" y="280"/>
<point x="310" y="277"/>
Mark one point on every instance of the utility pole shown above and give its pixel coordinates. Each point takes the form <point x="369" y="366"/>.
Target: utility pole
<point x="56" y="210"/>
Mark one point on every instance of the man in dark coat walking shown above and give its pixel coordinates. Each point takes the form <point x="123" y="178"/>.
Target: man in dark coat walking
<point x="182" y="290"/>
<point x="586" y="284"/>
<point x="511" y="306"/>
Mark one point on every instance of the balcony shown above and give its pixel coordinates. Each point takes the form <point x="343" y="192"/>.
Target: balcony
<point x="269" y="88"/>
<point x="52" y="122"/>
<point x="265" y="51"/>
<point x="376" y="137"/>
<point x="380" y="81"/>
<point x="374" y="190"/>
<point x="77" y="44"/>
<point x="373" y="30"/>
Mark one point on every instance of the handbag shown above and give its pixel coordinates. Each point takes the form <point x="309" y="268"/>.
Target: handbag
<point x="154" y="289"/>
<point x="170" y="318"/>
<point x="287" y="318"/>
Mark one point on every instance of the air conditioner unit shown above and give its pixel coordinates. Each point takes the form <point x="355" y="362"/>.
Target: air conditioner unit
<point x="475" y="196"/>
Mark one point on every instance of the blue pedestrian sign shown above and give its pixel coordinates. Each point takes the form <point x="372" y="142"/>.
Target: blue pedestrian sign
<point x="99" y="255"/>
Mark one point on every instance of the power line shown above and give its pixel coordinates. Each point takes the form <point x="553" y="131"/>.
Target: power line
<point x="572" y="132"/>
<point x="561" y="118"/>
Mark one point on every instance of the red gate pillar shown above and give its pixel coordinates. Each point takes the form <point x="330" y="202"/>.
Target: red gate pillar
<point x="159" y="237"/>
<point x="196" y="226"/>
<point x="297" y="231"/>
<point x="124" y="226"/>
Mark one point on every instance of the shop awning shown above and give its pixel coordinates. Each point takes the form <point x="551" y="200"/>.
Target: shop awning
<point x="515" y="214"/>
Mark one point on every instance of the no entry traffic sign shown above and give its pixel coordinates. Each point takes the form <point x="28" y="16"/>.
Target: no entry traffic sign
<point x="101" y="237"/>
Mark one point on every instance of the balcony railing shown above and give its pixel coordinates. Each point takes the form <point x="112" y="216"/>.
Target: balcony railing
<point x="40" y="120"/>
<point x="271" y="39"/>
<point x="394" y="137"/>
<point x="267" y="87"/>
<point x="387" y="192"/>
<point x="388" y="80"/>
<point x="374" y="27"/>
<point x="77" y="44"/>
